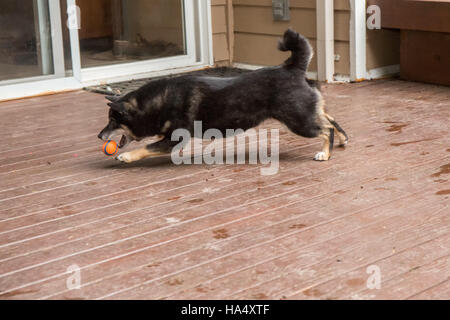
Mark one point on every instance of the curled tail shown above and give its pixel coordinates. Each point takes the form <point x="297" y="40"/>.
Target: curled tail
<point x="302" y="52"/>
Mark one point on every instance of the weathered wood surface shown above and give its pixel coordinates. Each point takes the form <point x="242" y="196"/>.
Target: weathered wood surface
<point x="159" y="231"/>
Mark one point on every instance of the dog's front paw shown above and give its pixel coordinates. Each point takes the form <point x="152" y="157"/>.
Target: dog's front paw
<point x="124" y="157"/>
<point x="322" y="156"/>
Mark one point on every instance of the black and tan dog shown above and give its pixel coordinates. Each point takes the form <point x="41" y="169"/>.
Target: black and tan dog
<point x="242" y="102"/>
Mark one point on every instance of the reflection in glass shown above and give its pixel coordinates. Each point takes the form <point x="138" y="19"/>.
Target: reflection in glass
<point x="120" y="31"/>
<point x="25" y="39"/>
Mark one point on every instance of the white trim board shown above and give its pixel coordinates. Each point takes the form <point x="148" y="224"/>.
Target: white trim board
<point x="325" y="40"/>
<point x="74" y="45"/>
<point x="373" y="74"/>
<point x="57" y="38"/>
<point x="37" y="88"/>
<point x="207" y="36"/>
<point x="383" y="72"/>
<point x="358" y="64"/>
<point x="341" y="78"/>
<point x="53" y="86"/>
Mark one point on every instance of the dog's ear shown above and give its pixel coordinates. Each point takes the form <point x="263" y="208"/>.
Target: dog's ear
<point x="118" y="107"/>
<point x="112" y="98"/>
<point x="131" y="104"/>
<point x="123" y="105"/>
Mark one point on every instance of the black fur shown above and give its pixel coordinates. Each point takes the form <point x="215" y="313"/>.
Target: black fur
<point x="242" y="102"/>
<point x="338" y="128"/>
<point x="331" y="139"/>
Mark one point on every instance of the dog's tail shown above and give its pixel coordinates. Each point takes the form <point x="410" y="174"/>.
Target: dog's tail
<point x="302" y="52"/>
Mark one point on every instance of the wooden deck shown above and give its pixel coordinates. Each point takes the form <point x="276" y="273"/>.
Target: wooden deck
<point x="159" y="231"/>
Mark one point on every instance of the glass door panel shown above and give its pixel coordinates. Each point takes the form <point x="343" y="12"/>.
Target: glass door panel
<point x="122" y="31"/>
<point x="66" y="44"/>
<point x="25" y="39"/>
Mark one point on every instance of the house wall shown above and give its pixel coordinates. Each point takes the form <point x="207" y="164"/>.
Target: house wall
<point x="342" y="14"/>
<point x="383" y="46"/>
<point x="256" y="33"/>
<point x="222" y="25"/>
<point x="244" y="32"/>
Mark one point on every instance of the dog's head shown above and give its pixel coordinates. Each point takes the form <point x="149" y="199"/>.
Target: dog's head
<point x="122" y="114"/>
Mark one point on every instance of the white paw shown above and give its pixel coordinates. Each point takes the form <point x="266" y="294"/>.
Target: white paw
<point x="321" y="156"/>
<point x="124" y="157"/>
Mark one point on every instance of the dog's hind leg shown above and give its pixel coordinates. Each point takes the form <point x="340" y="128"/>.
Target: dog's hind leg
<point x="157" y="149"/>
<point x="328" y="128"/>
<point x="328" y="142"/>
<point x="312" y="126"/>
<point x="343" y="138"/>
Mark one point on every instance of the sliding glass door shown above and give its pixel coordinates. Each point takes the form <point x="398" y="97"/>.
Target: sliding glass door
<point x="100" y="40"/>
<point x="117" y="31"/>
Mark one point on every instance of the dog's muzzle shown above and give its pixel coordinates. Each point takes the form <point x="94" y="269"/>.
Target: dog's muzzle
<point x="107" y="135"/>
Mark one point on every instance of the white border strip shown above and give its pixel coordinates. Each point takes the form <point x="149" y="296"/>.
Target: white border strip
<point x="74" y="44"/>
<point x="325" y="40"/>
<point x="383" y="72"/>
<point x="341" y="78"/>
<point x="57" y="38"/>
<point x="207" y="47"/>
<point x="53" y="86"/>
<point x="373" y="74"/>
<point x="358" y="64"/>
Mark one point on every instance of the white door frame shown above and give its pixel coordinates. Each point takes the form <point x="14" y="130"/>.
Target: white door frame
<point x="325" y="40"/>
<point x="57" y="38"/>
<point x="199" y="54"/>
<point x="358" y="63"/>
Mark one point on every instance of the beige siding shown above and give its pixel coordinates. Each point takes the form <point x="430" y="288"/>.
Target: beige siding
<point x="383" y="48"/>
<point x="256" y="33"/>
<point x="342" y="36"/>
<point x="221" y="16"/>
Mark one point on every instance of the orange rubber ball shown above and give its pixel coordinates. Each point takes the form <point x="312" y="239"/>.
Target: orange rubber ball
<point x="110" y="148"/>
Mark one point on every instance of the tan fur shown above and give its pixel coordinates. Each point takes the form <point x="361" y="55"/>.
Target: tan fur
<point x="325" y="121"/>
<point x="158" y="102"/>
<point x="166" y="126"/>
<point x="138" y="154"/>
<point x="321" y="114"/>
<point x="325" y="148"/>
<point x="341" y="136"/>
<point x="324" y="155"/>
<point x="128" y="132"/>
<point x="133" y="102"/>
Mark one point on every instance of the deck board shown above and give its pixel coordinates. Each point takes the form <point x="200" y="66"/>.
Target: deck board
<point x="154" y="230"/>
